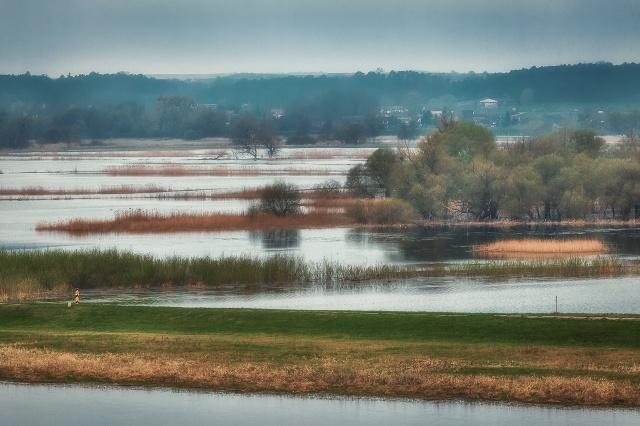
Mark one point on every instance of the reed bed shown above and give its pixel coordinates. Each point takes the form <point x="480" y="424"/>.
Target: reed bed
<point x="217" y="171"/>
<point x="565" y="267"/>
<point x="37" y="274"/>
<point x="139" y="222"/>
<point x="326" y="154"/>
<point x="532" y="247"/>
<point x="35" y="191"/>
<point x="42" y="272"/>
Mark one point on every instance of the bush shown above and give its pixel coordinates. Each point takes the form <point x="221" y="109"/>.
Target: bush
<point x="280" y="198"/>
<point x="382" y="212"/>
<point x="330" y="188"/>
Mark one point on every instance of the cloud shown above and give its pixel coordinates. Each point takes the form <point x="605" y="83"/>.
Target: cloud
<point x="277" y="36"/>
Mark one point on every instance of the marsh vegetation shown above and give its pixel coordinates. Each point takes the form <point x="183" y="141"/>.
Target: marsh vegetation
<point x="32" y="275"/>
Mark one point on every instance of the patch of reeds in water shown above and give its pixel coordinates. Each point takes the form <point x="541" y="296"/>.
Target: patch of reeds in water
<point x="216" y="171"/>
<point x="35" y="191"/>
<point x="37" y="272"/>
<point x="33" y="274"/>
<point x="571" y="267"/>
<point x="140" y="221"/>
<point x="537" y="248"/>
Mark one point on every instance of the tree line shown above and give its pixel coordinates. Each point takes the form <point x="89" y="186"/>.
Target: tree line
<point x="459" y="171"/>
<point x="581" y="83"/>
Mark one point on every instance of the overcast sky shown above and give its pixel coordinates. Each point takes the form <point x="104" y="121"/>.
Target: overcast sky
<point x="57" y="37"/>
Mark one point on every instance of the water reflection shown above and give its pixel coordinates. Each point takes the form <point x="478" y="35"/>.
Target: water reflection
<point x="595" y="296"/>
<point x="282" y="239"/>
<point x="80" y="405"/>
<point x="453" y="243"/>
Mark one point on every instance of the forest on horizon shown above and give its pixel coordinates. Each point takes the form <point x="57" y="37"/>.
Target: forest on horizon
<point x="305" y="109"/>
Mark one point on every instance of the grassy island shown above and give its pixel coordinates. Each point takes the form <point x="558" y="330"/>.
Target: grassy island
<point x="583" y="360"/>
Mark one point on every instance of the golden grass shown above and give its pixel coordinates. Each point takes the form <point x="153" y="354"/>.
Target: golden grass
<point x="217" y="171"/>
<point x="304" y="365"/>
<point x="533" y="247"/>
<point x="28" y="289"/>
<point x="153" y="222"/>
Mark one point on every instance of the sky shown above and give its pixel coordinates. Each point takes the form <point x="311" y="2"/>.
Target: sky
<point x="61" y="37"/>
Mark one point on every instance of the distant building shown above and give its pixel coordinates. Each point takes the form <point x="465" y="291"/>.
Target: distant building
<point x="489" y="103"/>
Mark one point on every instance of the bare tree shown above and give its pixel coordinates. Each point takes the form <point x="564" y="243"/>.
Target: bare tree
<point x="281" y="199"/>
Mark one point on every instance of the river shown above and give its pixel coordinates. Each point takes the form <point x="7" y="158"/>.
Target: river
<point x="55" y="405"/>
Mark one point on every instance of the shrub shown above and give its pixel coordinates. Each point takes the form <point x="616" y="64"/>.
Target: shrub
<point x="280" y="198"/>
<point x="382" y="212"/>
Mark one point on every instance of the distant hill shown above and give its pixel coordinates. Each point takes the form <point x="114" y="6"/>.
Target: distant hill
<point x="582" y="83"/>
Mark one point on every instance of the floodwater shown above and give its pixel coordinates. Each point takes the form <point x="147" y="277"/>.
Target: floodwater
<point x="79" y="405"/>
<point x="306" y="168"/>
<point x="592" y="296"/>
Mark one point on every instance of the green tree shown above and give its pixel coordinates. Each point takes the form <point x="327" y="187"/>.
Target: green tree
<point x="206" y="122"/>
<point x="407" y="131"/>
<point x="586" y="141"/>
<point x="548" y="168"/>
<point x="173" y="113"/>
<point x="374" y="125"/>
<point x="621" y="187"/>
<point x="521" y="191"/>
<point x="16" y="132"/>
<point x="465" y="140"/>
<point x="351" y="134"/>
<point x="478" y="190"/>
<point x="379" y="167"/>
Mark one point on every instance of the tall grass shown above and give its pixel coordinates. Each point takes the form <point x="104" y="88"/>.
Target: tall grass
<point x="565" y="267"/>
<point x="26" y="274"/>
<point x="31" y="272"/>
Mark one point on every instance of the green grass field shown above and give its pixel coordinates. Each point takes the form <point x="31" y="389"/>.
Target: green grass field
<point x="584" y="360"/>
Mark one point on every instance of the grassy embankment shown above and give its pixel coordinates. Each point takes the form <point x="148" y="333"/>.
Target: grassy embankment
<point x="32" y="275"/>
<point x="541" y="359"/>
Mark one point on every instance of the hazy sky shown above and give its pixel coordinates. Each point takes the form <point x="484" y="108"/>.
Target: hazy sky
<point x="57" y="37"/>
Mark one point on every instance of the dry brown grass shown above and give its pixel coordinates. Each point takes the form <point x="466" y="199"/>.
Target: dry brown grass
<point x="302" y="365"/>
<point x="217" y="171"/>
<point x="330" y="154"/>
<point x="154" y="222"/>
<point x="35" y="191"/>
<point x="532" y="247"/>
<point x="28" y="289"/>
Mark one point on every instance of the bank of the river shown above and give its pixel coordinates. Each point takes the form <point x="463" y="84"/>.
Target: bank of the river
<point x="544" y="359"/>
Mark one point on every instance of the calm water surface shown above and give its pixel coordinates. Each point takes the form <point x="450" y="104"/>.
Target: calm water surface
<point x="595" y="296"/>
<point x="414" y="245"/>
<point x="76" y="405"/>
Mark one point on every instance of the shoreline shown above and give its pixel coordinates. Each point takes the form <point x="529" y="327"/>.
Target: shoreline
<point x="584" y="362"/>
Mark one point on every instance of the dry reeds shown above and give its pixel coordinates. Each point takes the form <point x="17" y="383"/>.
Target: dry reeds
<point x="35" y="191"/>
<point x="153" y="222"/>
<point x="532" y="247"/>
<point x="217" y="171"/>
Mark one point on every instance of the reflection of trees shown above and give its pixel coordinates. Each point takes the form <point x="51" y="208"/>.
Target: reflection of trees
<point x="280" y="239"/>
<point x="450" y="243"/>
